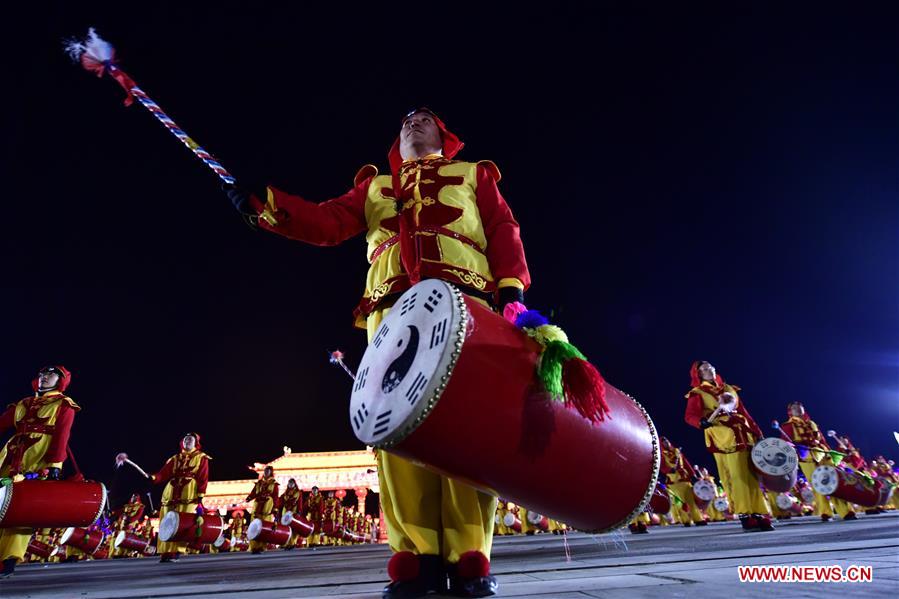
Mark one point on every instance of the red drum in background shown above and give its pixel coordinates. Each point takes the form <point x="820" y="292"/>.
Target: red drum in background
<point x="223" y="544"/>
<point x="330" y="529"/>
<point x="101" y="553"/>
<point x="538" y="521"/>
<point x="846" y="485"/>
<point x="268" y="532"/>
<point x="298" y="524"/>
<point x="188" y="527"/>
<point x="703" y="493"/>
<point x="721" y="504"/>
<point x="131" y="542"/>
<point x="51" y="503"/>
<point x="41" y="549"/>
<point x="352" y="536"/>
<point x="88" y="541"/>
<point x="787" y="503"/>
<point x="776" y="463"/>
<point x="442" y="369"/>
<point x="660" y="503"/>
<point x="512" y="521"/>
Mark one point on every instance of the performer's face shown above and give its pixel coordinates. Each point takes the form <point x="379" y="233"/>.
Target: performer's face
<point x="707" y="372"/>
<point x="188" y="443"/>
<point x="419" y="136"/>
<point x="47" y="379"/>
<point x="796" y="410"/>
<point x="267" y="472"/>
<point x="291" y="484"/>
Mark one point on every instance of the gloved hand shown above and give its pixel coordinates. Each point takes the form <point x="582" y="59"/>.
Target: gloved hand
<point x="53" y="473"/>
<point x="704" y="424"/>
<point x="240" y="199"/>
<point x="508" y="295"/>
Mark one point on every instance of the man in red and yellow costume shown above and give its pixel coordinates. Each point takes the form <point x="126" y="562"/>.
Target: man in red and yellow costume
<point x="128" y="517"/>
<point x="186" y="475"/>
<point x="431" y="217"/>
<point x="265" y="500"/>
<point x="883" y="471"/>
<point x="813" y="451"/>
<point x="680" y="475"/>
<point x="730" y="433"/>
<point x="42" y="424"/>
<point x="292" y="501"/>
<point x="315" y="515"/>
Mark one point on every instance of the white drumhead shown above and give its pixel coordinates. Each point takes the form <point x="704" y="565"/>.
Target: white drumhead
<point x="509" y="519"/>
<point x="119" y="538"/>
<point x="408" y="363"/>
<point x="254" y="529"/>
<point x="808" y="496"/>
<point x="704" y="490"/>
<point x="721" y="504"/>
<point x="150" y="550"/>
<point x="825" y="480"/>
<point x="54" y="551"/>
<point x="534" y="517"/>
<point x="66" y="535"/>
<point x="287" y="518"/>
<point x="219" y="541"/>
<point x="775" y="457"/>
<point x="784" y="501"/>
<point x="168" y="527"/>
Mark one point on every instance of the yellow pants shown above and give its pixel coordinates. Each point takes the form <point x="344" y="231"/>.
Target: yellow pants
<point x="14" y="542"/>
<point x="842" y="507"/>
<point x="822" y="503"/>
<point x="168" y="546"/>
<point x="740" y="483"/>
<point x="691" y="514"/>
<point x="257" y="545"/>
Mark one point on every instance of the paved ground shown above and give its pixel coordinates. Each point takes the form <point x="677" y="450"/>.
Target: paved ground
<point x="669" y="562"/>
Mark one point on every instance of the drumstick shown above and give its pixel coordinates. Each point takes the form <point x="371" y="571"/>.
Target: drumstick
<point x="122" y="458"/>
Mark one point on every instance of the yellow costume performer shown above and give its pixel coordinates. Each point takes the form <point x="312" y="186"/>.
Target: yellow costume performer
<point x="265" y="499"/>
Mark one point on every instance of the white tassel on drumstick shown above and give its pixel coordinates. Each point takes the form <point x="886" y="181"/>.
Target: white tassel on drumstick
<point x="726" y="404"/>
<point x="122" y="458"/>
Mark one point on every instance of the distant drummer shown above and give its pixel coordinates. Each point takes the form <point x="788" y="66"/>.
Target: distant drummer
<point x="41" y="424"/>
<point x="730" y="434"/>
<point x="680" y="474"/>
<point x="431" y="217"/>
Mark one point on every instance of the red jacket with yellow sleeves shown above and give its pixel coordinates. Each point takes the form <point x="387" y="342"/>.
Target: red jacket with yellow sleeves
<point x="444" y="219"/>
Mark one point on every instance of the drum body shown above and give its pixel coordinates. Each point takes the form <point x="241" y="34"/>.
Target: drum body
<point x="298" y="524"/>
<point x="41" y="549"/>
<point x="721" y="504"/>
<point x="188" y="527"/>
<point x="268" y="532"/>
<point x="807" y="494"/>
<point x="846" y="485"/>
<point x="131" y="542"/>
<point x="776" y="464"/>
<point x="512" y="521"/>
<point x="223" y="544"/>
<point x="789" y="504"/>
<point x="442" y="369"/>
<point x="87" y="541"/>
<point x="538" y="521"/>
<point x="51" y="503"/>
<point x="886" y="490"/>
<point x="660" y="503"/>
<point x="703" y="493"/>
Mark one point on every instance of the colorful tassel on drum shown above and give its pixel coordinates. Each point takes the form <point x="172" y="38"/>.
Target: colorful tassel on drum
<point x="564" y="371"/>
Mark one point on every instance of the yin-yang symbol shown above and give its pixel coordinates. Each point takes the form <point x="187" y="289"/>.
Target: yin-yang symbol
<point x="399" y="368"/>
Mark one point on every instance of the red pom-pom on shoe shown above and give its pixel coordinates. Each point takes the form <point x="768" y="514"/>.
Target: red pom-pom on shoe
<point x="473" y="564"/>
<point x="402" y="566"/>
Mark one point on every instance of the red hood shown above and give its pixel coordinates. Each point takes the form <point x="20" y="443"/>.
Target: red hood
<point x="64" y="380"/>
<point x="696" y="380"/>
<point x="451" y="143"/>
<point x="195" y="436"/>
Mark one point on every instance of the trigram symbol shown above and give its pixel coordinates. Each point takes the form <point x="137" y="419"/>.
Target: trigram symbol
<point x="361" y="379"/>
<point x="414" y="390"/>
<point x="433" y="299"/>
<point x="438" y="333"/>
<point x="408" y="303"/>
<point x="381" y="422"/>
<point x="382" y="332"/>
<point x="360" y="416"/>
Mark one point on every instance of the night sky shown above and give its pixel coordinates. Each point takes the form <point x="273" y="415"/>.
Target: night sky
<point x="718" y="186"/>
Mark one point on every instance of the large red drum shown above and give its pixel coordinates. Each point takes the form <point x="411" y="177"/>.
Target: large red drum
<point x="223" y="544"/>
<point x="41" y="549"/>
<point x="846" y="485"/>
<point x="88" y="541"/>
<point x="442" y="369"/>
<point x="538" y="521"/>
<point x="703" y="493"/>
<point x="298" y="524"/>
<point x="268" y="532"/>
<point x="188" y="527"/>
<point x="51" y="503"/>
<point x="776" y="464"/>
<point x="130" y="541"/>
<point x="660" y="503"/>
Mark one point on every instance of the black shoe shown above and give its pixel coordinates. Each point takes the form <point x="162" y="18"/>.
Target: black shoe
<point x="764" y="524"/>
<point x="825" y="517"/>
<point x="431" y="579"/>
<point x="9" y="566"/>
<point x="483" y="586"/>
<point x="168" y="558"/>
<point x="850" y="516"/>
<point x="702" y="523"/>
<point x="688" y="524"/>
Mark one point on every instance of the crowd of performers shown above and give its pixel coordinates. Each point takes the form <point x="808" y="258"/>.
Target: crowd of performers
<point x="430" y="217"/>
